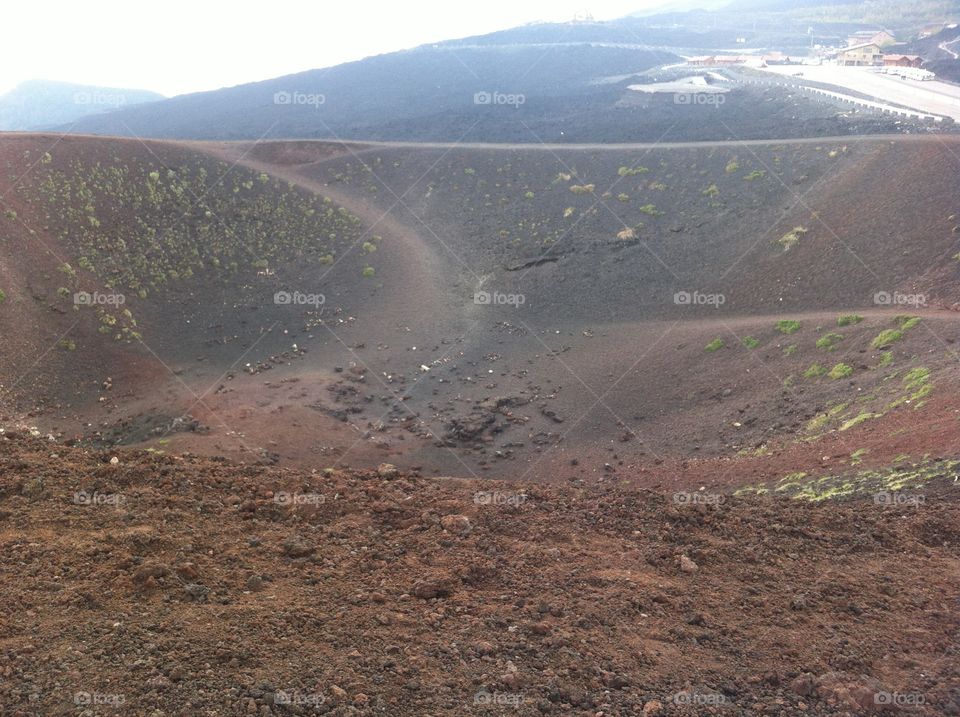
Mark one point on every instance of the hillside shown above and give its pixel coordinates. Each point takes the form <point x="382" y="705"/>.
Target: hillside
<point x="590" y="312"/>
<point x="41" y="104"/>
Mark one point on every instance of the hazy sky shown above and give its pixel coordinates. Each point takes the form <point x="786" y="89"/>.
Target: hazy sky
<point x="176" y="46"/>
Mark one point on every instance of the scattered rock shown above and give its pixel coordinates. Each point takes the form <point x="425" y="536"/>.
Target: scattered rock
<point x="687" y="565"/>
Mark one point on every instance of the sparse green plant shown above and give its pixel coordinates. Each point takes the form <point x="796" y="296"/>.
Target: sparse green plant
<point x="732" y="166"/>
<point x="3" y="296"/>
<point x="750" y="342"/>
<point x="829" y="342"/>
<point x="815" y="371"/>
<point x="848" y="319"/>
<point x="755" y="174"/>
<point x="632" y="172"/>
<point x="650" y="209"/>
<point x="369" y="272"/>
<point x="711" y="191"/>
<point x="788" y="326"/>
<point x="791" y="238"/>
<point x="841" y="370"/>
<point x="623" y="197"/>
<point x="790" y="350"/>
<point x="886" y="337"/>
<point x="906" y="321"/>
<point x="714" y="345"/>
<point x="582" y="188"/>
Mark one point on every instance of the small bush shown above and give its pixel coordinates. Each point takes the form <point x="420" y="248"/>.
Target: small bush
<point x="582" y="188"/>
<point x="848" y="319"/>
<point x="732" y="166"/>
<point x="790" y="350"/>
<point x="886" y="337"/>
<point x="368" y="272"/>
<point x="714" y="345"/>
<point x="651" y="209"/>
<point x="788" y="326"/>
<point x="829" y="341"/>
<point x="755" y="174"/>
<point x="628" y="172"/>
<point x="750" y="342"/>
<point x="906" y="322"/>
<point x="712" y="191"/>
<point x="841" y="370"/>
<point x="791" y="238"/>
<point x="815" y="371"/>
<point x="3" y="296"/>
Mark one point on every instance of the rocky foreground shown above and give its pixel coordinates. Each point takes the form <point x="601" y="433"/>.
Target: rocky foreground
<point x="146" y="584"/>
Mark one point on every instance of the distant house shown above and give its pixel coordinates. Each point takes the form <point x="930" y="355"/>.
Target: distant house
<point x="866" y="54"/>
<point x="878" y="37"/>
<point x="902" y="61"/>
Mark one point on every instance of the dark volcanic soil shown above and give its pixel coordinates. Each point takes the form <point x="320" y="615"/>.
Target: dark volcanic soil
<point x="161" y="586"/>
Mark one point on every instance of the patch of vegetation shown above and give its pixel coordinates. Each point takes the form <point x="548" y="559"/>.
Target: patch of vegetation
<point x="815" y="371"/>
<point x="829" y="342"/>
<point x="714" y="345"/>
<point x="790" y="350"/>
<point x="886" y="358"/>
<point x="632" y="172"/>
<point x="369" y="272"/>
<point x="821" y="420"/>
<point x="143" y="226"/>
<point x="755" y="174"/>
<point x="857" y="456"/>
<point x="848" y="319"/>
<point x="916" y="377"/>
<point x="583" y="188"/>
<point x="788" y="326"/>
<point x="750" y="342"/>
<point x="906" y="321"/>
<point x="3" y="296"/>
<point x="651" y="209"/>
<point x="841" y="370"/>
<point x="712" y="191"/>
<point x="791" y="238"/>
<point x="732" y="166"/>
<point x="886" y="337"/>
<point x="857" y="420"/>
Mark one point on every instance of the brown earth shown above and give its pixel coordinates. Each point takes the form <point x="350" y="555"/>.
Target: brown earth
<point x="161" y="585"/>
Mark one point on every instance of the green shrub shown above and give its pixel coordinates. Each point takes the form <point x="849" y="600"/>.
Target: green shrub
<point x="3" y="296"/>
<point x="841" y="370"/>
<point x="628" y="172"/>
<point x="712" y="191"/>
<point x="906" y="322"/>
<point x="848" y="319"/>
<point x="368" y="272"/>
<point x="788" y="326"/>
<point x="790" y="350"/>
<point x="755" y="174"/>
<point x="714" y="345"/>
<point x="732" y="166"/>
<point x="829" y="341"/>
<point x="791" y="238"/>
<point x="815" y="371"/>
<point x="750" y="342"/>
<point x="651" y="209"/>
<point x="886" y="337"/>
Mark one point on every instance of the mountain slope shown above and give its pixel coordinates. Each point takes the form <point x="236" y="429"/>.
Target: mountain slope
<point x="41" y="104"/>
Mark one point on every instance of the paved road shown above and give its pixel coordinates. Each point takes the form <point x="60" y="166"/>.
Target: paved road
<point x="933" y="97"/>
